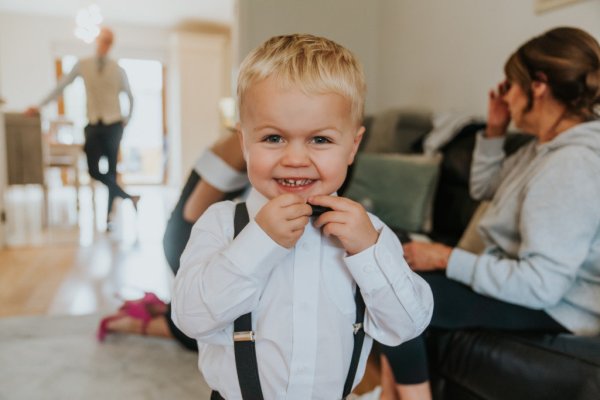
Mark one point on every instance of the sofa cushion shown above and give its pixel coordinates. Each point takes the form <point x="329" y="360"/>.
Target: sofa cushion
<point x="471" y="239"/>
<point x="498" y="365"/>
<point x="397" y="131"/>
<point x="453" y="205"/>
<point x="398" y="188"/>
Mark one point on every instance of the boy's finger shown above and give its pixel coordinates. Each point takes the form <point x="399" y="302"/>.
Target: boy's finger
<point x="330" y="217"/>
<point x="288" y="199"/>
<point x="298" y="223"/>
<point x="297" y="210"/>
<point x="335" y="202"/>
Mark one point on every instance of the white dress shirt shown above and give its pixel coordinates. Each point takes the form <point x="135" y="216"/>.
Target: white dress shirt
<point x="301" y="299"/>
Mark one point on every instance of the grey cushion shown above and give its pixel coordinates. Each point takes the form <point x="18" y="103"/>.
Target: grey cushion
<point x="398" y="188"/>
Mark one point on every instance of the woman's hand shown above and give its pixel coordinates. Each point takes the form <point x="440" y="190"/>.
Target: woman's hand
<point x="284" y="218"/>
<point x="422" y="256"/>
<point x="348" y="222"/>
<point x="498" y="112"/>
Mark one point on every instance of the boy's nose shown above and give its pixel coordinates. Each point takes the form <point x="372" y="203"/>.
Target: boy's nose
<point x="295" y="155"/>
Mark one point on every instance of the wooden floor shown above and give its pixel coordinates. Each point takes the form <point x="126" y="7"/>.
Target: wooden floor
<point x="81" y="269"/>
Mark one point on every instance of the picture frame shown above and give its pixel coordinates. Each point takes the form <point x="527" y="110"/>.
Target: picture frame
<point x="541" y="6"/>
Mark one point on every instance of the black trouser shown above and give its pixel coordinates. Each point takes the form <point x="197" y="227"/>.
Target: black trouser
<point x="104" y="140"/>
<point x="216" y="396"/>
<point x="456" y="306"/>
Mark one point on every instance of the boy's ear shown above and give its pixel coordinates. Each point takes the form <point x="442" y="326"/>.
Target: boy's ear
<point x="356" y="144"/>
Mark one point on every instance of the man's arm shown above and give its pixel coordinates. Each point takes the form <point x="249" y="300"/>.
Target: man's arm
<point x="62" y="84"/>
<point x="127" y="89"/>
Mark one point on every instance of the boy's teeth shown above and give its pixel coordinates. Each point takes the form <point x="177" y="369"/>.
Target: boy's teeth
<point x="295" y="182"/>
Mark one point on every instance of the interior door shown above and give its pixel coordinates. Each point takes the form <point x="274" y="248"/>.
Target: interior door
<point x="3" y="168"/>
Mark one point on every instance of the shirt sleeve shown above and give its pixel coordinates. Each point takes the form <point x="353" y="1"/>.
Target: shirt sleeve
<point x="399" y="302"/>
<point x="220" y="174"/>
<point x="221" y="278"/>
<point x="488" y="157"/>
<point x="62" y="84"/>
<point x="558" y="220"/>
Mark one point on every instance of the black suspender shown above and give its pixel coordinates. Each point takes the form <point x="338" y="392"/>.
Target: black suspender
<point x="359" y="338"/>
<point x="243" y="336"/>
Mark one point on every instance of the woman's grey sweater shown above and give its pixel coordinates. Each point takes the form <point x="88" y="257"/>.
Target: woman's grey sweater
<point x="542" y="227"/>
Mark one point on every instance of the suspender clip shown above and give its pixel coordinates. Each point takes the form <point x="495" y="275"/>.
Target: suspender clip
<point x="357" y="327"/>
<point x="244" y="336"/>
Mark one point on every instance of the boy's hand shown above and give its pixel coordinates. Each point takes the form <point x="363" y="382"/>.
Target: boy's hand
<point x="348" y="222"/>
<point x="284" y="218"/>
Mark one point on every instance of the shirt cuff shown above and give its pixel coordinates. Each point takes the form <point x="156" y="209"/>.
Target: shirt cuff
<point x="220" y="174"/>
<point x="461" y="266"/>
<point x="378" y="265"/>
<point x="490" y="147"/>
<point x="254" y="253"/>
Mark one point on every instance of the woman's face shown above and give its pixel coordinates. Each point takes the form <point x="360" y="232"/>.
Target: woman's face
<point x="516" y="100"/>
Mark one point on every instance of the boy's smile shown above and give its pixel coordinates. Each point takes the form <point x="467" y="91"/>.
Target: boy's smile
<point x="294" y="142"/>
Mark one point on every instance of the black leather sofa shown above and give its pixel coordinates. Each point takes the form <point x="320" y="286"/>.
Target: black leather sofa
<point x="470" y="365"/>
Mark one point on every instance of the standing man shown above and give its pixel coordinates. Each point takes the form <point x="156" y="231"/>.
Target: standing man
<point x="104" y="80"/>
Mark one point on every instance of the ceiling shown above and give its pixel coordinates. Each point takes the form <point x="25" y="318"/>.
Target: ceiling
<point x="143" y="12"/>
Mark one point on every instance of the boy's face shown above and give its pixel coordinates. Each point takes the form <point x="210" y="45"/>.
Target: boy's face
<point x="297" y="143"/>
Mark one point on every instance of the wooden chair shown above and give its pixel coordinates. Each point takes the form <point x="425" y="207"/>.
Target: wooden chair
<point x="30" y="153"/>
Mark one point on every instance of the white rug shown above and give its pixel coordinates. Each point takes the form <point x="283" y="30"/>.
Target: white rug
<point x="59" y="358"/>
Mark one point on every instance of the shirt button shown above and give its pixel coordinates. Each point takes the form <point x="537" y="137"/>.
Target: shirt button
<point x="305" y="246"/>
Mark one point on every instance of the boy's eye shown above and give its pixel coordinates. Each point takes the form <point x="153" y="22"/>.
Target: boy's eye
<point x="321" y="140"/>
<point x="272" y="139"/>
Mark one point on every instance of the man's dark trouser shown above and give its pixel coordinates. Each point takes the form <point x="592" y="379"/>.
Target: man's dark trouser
<point x="104" y="140"/>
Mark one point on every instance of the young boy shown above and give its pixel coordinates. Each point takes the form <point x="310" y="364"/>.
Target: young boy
<point x="301" y="101"/>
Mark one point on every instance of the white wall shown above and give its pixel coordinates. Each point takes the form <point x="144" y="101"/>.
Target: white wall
<point x="439" y="55"/>
<point x="352" y="23"/>
<point x="198" y="80"/>
<point x="445" y="55"/>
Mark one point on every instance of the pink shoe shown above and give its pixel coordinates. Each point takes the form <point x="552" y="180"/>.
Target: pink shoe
<point x="143" y="309"/>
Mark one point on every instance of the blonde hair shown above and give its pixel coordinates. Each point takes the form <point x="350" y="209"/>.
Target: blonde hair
<point x="313" y="64"/>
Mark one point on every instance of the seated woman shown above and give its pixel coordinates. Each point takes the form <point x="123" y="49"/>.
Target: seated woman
<point x="219" y="174"/>
<point x="540" y="270"/>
